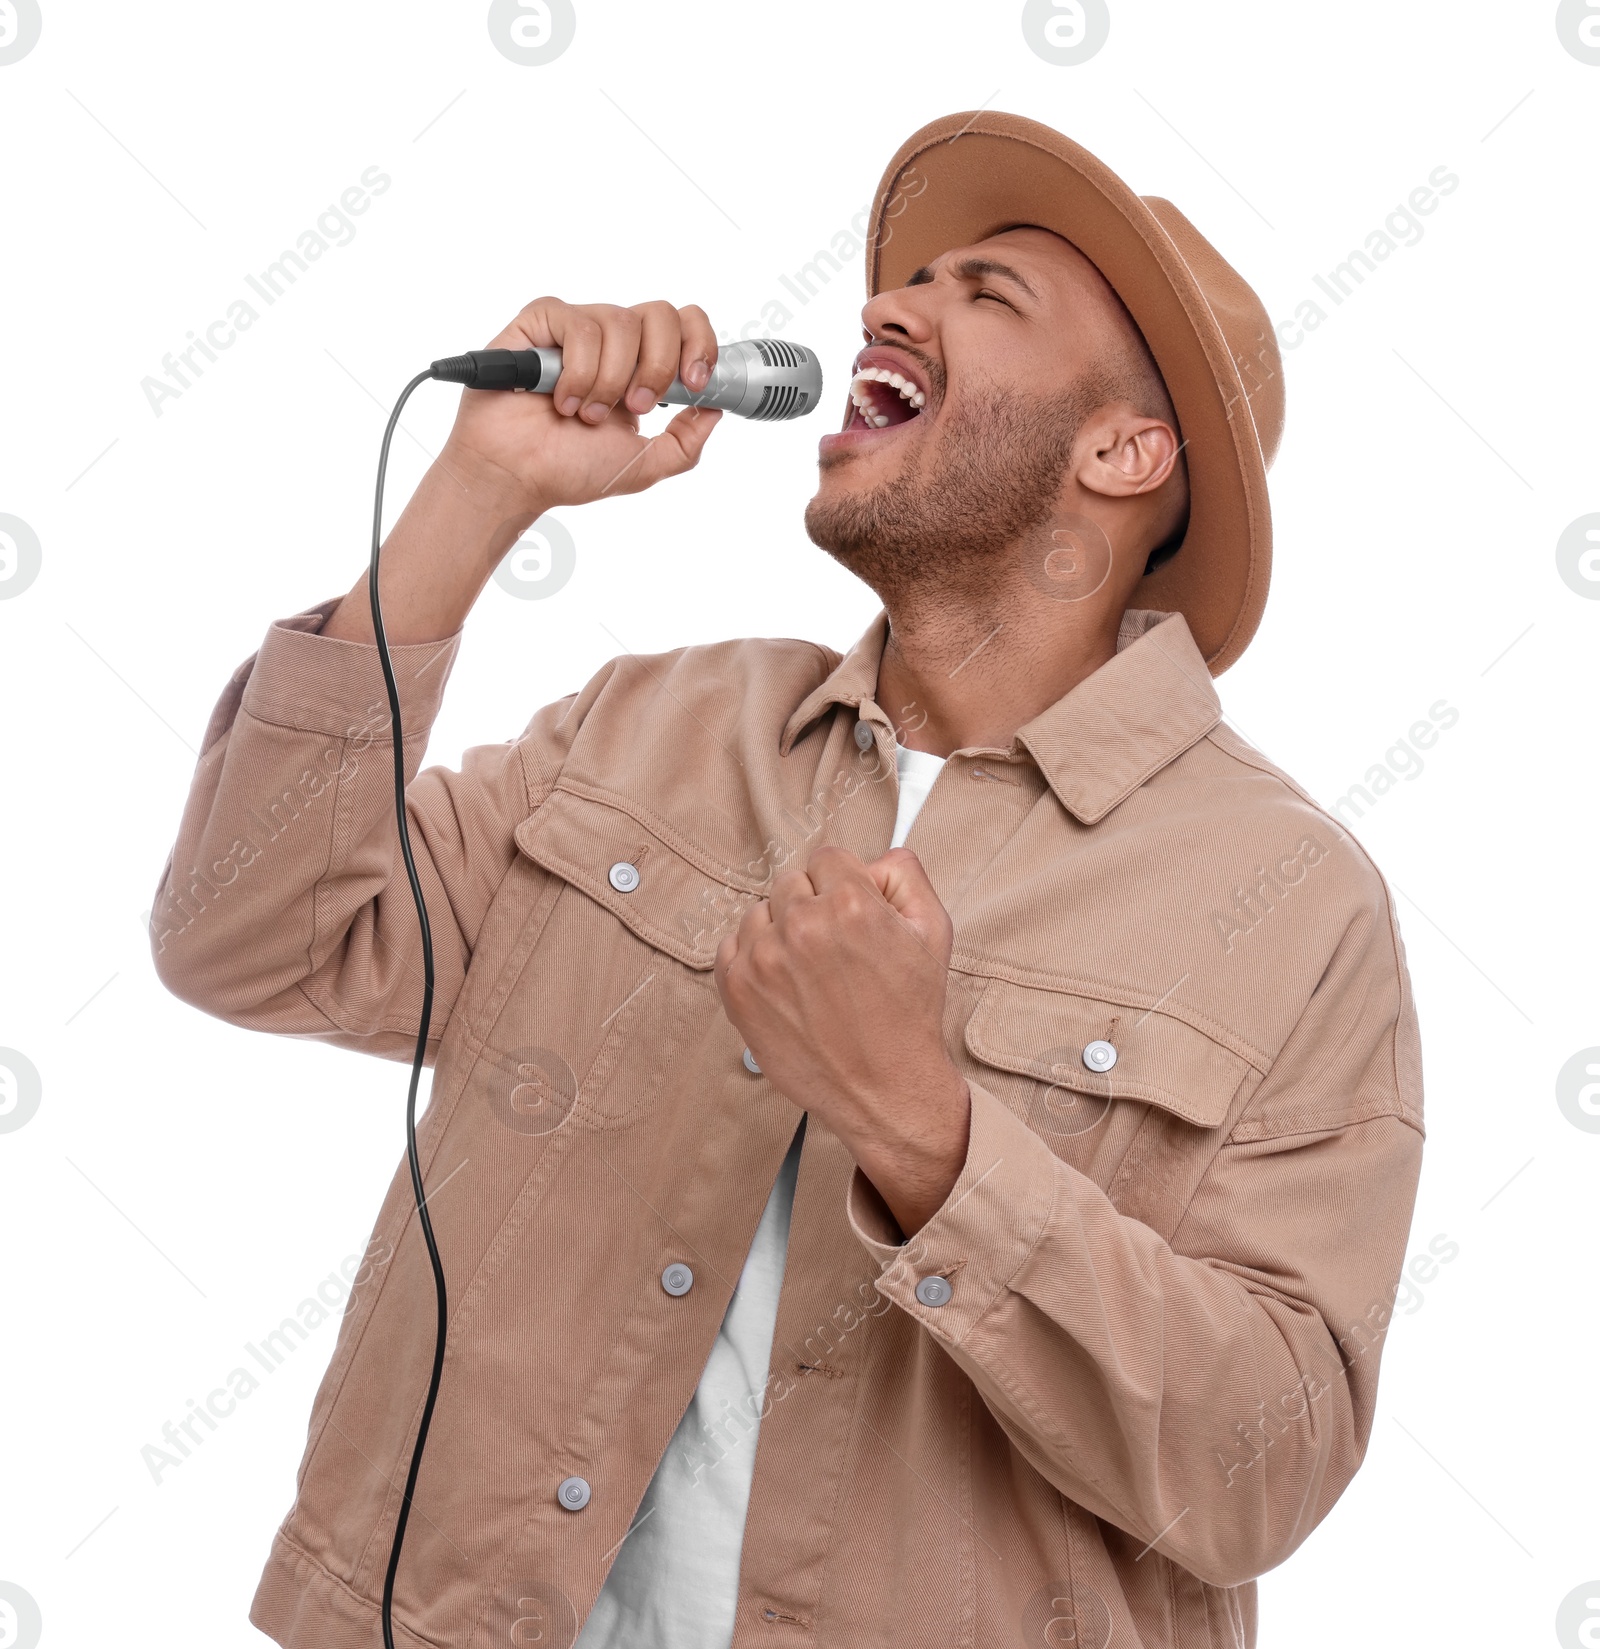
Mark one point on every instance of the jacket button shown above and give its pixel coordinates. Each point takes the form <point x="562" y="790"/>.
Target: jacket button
<point x="623" y="876"/>
<point x="1099" y="1056"/>
<point x="863" y="735"/>
<point x="934" y="1291"/>
<point x="749" y="1061"/>
<point x="677" y="1279"/>
<point x="573" y="1493"/>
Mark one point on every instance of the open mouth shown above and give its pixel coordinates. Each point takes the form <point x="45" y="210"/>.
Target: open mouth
<point x="881" y="398"/>
<point x="884" y="397"/>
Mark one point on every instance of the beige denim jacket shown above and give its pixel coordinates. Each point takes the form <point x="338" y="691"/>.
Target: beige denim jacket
<point x="1170" y="1272"/>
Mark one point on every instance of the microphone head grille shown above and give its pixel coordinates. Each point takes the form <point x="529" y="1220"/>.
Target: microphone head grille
<point x="779" y="352"/>
<point x="783" y="380"/>
<point x="782" y="401"/>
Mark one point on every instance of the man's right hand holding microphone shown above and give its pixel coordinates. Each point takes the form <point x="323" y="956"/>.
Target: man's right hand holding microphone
<point x="509" y="458"/>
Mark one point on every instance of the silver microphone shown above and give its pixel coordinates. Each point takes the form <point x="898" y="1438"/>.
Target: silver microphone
<point x="762" y="378"/>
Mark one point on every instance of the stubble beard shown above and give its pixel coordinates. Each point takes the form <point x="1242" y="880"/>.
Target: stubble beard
<point x="948" y="526"/>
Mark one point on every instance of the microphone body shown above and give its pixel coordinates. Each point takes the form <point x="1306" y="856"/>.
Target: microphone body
<point x="766" y="379"/>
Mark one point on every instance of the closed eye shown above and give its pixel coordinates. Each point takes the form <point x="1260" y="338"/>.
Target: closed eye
<point x="997" y="298"/>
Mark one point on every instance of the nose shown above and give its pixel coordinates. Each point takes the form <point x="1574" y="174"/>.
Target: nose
<point x="898" y="312"/>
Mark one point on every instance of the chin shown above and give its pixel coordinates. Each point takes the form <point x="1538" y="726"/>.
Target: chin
<point x="843" y="493"/>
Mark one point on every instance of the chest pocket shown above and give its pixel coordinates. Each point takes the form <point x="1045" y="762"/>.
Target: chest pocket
<point x="618" y="985"/>
<point x="1144" y="1125"/>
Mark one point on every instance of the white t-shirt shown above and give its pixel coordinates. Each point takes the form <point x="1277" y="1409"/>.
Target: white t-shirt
<point x="675" y="1580"/>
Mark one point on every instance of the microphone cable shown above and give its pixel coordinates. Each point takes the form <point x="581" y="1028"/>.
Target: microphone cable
<point x="764" y="379"/>
<point x="427" y="1014"/>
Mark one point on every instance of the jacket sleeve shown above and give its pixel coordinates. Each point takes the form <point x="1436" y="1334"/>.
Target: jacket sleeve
<point x="284" y="905"/>
<point x="1213" y="1395"/>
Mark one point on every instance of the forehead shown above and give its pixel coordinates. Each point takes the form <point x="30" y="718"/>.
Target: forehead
<point x="1048" y="262"/>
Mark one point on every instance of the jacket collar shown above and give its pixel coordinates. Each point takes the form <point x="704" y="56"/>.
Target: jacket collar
<point x="1098" y="743"/>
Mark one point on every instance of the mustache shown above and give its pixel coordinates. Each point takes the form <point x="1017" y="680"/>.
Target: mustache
<point x="936" y="373"/>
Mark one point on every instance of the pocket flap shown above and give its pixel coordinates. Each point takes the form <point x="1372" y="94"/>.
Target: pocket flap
<point x="1160" y="1059"/>
<point x="682" y="902"/>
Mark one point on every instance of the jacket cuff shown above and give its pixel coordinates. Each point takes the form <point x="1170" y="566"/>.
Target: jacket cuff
<point x="982" y="1232"/>
<point x="321" y="684"/>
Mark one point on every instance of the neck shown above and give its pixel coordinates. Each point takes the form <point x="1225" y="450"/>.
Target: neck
<point x="956" y="677"/>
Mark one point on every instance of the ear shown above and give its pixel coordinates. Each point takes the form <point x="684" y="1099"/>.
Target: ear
<point x="1123" y="453"/>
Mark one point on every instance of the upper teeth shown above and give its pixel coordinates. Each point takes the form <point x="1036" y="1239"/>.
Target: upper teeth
<point x="906" y="389"/>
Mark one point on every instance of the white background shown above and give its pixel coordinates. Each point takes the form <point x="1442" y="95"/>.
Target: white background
<point x="185" y="1184"/>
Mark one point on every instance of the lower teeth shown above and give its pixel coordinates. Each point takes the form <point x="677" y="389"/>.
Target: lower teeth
<point x="873" y="420"/>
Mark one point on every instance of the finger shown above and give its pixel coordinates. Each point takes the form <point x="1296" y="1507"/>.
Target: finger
<point x="549" y="323"/>
<point x="832" y="867"/>
<point x="619" y="354"/>
<point x="791" y="888"/>
<point x="752" y="924"/>
<point x="735" y="947"/>
<point x="899" y="876"/>
<point x="676" y="449"/>
<point x="659" y="344"/>
<point x="727" y="954"/>
<point x="699" y="349"/>
<point x="578" y="337"/>
<point x="533" y="326"/>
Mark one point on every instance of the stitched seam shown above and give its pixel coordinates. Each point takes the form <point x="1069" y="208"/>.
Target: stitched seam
<point x="1299" y="1128"/>
<point x="309" y="722"/>
<point x="1150" y="1092"/>
<point x="533" y="795"/>
<point x="442" y="1109"/>
<point x="631" y="916"/>
<point x="317" y="1007"/>
<point x="832" y="1523"/>
<point x="1046" y="1431"/>
<point x="349" y="1591"/>
<point x="1157" y="762"/>
<point x="1248" y="756"/>
<point x="338" y="812"/>
<point x="831" y="660"/>
<point x="1045" y="1427"/>
<point x="1004" y="1285"/>
<point x="1117" y="996"/>
<point x="1172" y="1603"/>
<point x="665" y="832"/>
<point x="1245" y="758"/>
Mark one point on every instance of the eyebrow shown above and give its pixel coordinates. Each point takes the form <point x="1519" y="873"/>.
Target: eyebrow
<point x="972" y="269"/>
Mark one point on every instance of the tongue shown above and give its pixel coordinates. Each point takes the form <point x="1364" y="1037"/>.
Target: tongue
<point x="887" y="403"/>
<point x="893" y="406"/>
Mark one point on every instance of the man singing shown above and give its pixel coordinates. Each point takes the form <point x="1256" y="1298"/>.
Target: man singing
<point x="925" y="1138"/>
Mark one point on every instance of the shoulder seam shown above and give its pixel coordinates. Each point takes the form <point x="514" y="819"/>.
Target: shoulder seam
<point x="1400" y="975"/>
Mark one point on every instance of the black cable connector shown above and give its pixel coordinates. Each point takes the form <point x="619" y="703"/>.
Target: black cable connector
<point x="491" y="369"/>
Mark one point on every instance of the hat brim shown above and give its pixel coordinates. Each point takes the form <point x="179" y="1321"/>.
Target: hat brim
<point x="964" y="178"/>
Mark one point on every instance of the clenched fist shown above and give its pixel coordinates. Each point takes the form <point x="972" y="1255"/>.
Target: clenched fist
<point x="837" y="983"/>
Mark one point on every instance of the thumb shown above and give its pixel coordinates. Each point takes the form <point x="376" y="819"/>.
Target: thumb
<point x="676" y="449"/>
<point x="903" y="882"/>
